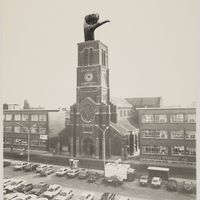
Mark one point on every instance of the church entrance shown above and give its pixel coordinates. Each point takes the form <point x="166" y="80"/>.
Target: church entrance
<point x="88" y="147"/>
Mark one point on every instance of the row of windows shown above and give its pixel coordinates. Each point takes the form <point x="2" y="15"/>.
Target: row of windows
<point x="175" y="150"/>
<point x="174" y="118"/>
<point x="25" y="117"/>
<point x="33" y="142"/>
<point x="163" y="134"/>
<point x="125" y="113"/>
<point x="19" y="129"/>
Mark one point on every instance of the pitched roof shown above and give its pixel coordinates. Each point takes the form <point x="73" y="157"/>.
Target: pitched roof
<point x="141" y="102"/>
<point x="120" y="129"/>
<point x="123" y="127"/>
<point x="127" y="125"/>
<point x="120" y="102"/>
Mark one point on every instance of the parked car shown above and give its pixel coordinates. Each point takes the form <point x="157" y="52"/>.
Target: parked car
<point x="108" y="196"/>
<point x="93" y="176"/>
<point x="65" y="194"/>
<point x="11" y="196"/>
<point x="42" y="198"/>
<point x="113" y="180"/>
<point x="62" y="171"/>
<point x="39" y="188"/>
<point x="20" y="166"/>
<point x="7" y="181"/>
<point x="47" y="171"/>
<point x="86" y="196"/>
<point x="84" y="173"/>
<point x="30" y="167"/>
<point x="188" y="186"/>
<point x="22" y="196"/>
<point x="13" y="185"/>
<point x="156" y="182"/>
<point x="6" y="163"/>
<point x="52" y="191"/>
<point x="143" y="180"/>
<point x="73" y="173"/>
<point x="124" y="198"/>
<point x="172" y="185"/>
<point x="40" y="168"/>
<point x="24" y="188"/>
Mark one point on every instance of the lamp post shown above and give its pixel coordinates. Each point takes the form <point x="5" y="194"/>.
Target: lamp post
<point x="28" y="142"/>
<point x="104" y="144"/>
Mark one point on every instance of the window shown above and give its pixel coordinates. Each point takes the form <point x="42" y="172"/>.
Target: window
<point x="121" y="113"/>
<point x="148" y="149"/>
<point x="24" y="129"/>
<point x="177" y="118"/>
<point x="8" y="117"/>
<point x="160" y="150"/>
<point x="34" y="129"/>
<point x="190" y="151"/>
<point x="103" y="56"/>
<point x="147" y="119"/>
<point x="34" y="118"/>
<point x="177" y="134"/>
<point x="148" y="134"/>
<point x="34" y="142"/>
<point x="190" y="135"/>
<point x="17" y="129"/>
<point x="4" y="117"/>
<point x="91" y="57"/>
<point x="8" y="128"/>
<point x="20" y="142"/>
<point x="8" y="141"/>
<point x="17" y="117"/>
<point x="88" y="128"/>
<point x="124" y="113"/>
<point x="42" y="130"/>
<point x="190" y="118"/>
<point x="161" y="134"/>
<point x="178" y="150"/>
<point x="42" y="143"/>
<point x="85" y="59"/>
<point x="43" y="117"/>
<point x="25" y="117"/>
<point x="160" y="118"/>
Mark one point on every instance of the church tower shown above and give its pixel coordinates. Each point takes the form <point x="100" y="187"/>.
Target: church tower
<point x="92" y="109"/>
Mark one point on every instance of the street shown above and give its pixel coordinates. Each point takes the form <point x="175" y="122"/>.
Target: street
<point x="130" y="189"/>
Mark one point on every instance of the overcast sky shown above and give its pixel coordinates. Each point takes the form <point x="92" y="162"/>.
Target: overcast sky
<point x="152" y="49"/>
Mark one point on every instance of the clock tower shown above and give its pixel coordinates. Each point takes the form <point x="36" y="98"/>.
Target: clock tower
<point x="91" y="112"/>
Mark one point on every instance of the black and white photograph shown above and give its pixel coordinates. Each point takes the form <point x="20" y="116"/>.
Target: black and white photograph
<point x="99" y="100"/>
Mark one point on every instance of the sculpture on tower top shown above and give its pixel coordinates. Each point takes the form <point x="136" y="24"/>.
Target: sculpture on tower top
<point x="90" y="24"/>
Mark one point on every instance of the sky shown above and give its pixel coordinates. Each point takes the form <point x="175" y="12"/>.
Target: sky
<point x="151" y="43"/>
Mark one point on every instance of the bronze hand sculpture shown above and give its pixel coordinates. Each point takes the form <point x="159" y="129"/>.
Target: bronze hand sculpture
<point x="90" y="24"/>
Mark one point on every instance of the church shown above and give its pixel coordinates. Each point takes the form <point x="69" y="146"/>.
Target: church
<point x="98" y="124"/>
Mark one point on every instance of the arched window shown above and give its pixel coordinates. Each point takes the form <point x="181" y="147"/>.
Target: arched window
<point x="85" y="59"/>
<point x="91" y="57"/>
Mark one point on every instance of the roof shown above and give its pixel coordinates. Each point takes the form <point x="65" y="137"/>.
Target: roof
<point x="140" y="102"/>
<point x="120" y="129"/>
<point x="126" y="124"/>
<point x="158" y="169"/>
<point x="120" y="102"/>
<point x="123" y="127"/>
<point x="166" y="108"/>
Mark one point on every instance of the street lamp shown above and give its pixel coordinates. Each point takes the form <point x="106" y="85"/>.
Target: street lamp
<point x="104" y="144"/>
<point x="29" y="132"/>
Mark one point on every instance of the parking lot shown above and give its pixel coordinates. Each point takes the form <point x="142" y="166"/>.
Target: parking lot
<point x="130" y="189"/>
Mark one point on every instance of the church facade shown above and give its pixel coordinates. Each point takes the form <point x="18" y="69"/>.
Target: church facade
<point x="94" y="125"/>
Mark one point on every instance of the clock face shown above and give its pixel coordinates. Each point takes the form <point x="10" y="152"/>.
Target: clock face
<point x="88" y="76"/>
<point x="87" y="113"/>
